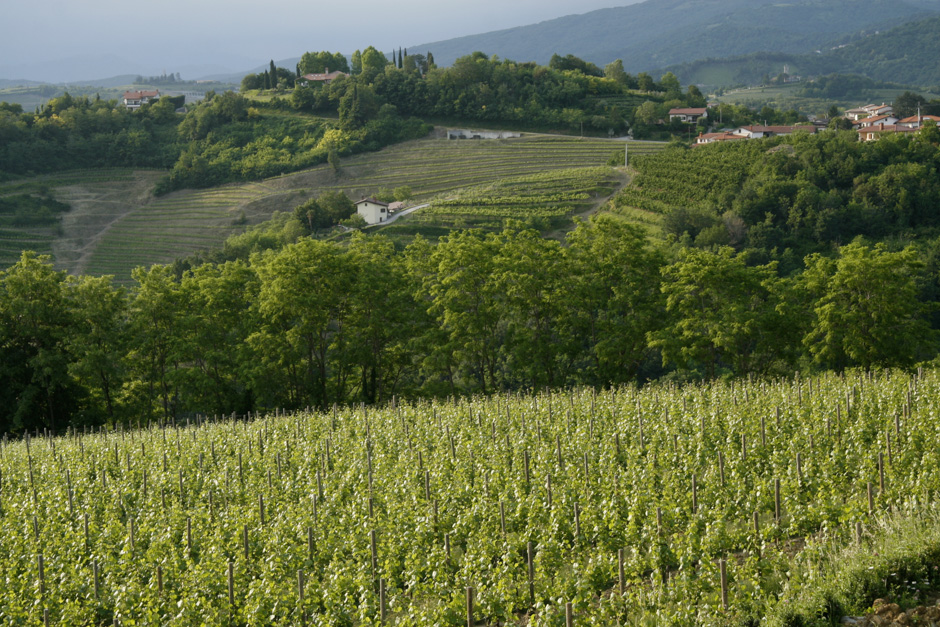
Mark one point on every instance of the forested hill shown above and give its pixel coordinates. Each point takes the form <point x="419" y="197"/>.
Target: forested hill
<point x="657" y="33"/>
<point x="906" y="54"/>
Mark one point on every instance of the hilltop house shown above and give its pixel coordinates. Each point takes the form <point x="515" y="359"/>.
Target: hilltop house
<point x="372" y="211"/>
<point x="691" y="116"/>
<point x="134" y="99"/>
<point x="323" y="79"/>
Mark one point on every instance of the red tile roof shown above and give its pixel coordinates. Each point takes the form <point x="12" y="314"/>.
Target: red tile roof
<point x="687" y="111"/>
<point x="140" y="95"/>
<point x="324" y="77"/>
<point x="915" y="118"/>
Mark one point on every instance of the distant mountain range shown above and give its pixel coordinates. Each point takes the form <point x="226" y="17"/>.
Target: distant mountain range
<point x="906" y="54"/>
<point x="659" y="33"/>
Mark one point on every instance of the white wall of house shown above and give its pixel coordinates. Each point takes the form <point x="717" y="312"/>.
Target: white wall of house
<point x="371" y="212"/>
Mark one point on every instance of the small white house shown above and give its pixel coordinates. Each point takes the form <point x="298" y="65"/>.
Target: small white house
<point x="372" y="211"/>
<point x="135" y="99"/>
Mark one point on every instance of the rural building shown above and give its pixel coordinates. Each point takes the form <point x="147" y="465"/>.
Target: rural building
<point x="758" y="132"/>
<point x="868" y="111"/>
<point x="873" y="120"/>
<point x="134" y="99"/>
<point x="874" y="132"/>
<point x="396" y="206"/>
<point x="711" y="138"/>
<point x="688" y="115"/>
<point x="916" y="121"/>
<point x="372" y="211"/>
<point x="323" y="79"/>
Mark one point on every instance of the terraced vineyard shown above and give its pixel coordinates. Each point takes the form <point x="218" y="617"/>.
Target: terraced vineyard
<point x="659" y="506"/>
<point x="545" y="200"/>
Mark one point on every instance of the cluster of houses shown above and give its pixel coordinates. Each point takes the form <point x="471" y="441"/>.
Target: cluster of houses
<point x="873" y="121"/>
<point x="755" y="131"/>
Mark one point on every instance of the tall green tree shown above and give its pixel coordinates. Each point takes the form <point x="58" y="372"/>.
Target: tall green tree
<point x="98" y="342"/>
<point x="303" y="301"/>
<point x="722" y="313"/>
<point x="866" y="309"/>
<point x="611" y="297"/>
<point x="36" y="389"/>
<point x="155" y="331"/>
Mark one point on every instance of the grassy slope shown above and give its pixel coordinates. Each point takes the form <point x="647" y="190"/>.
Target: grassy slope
<point x="116" y="224"/>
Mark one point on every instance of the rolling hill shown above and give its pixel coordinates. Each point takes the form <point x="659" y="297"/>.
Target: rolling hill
<point x="905" y="54"/>
<point x="658" y="33"/>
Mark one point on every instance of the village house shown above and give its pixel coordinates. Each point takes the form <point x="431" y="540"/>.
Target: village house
<point x="711" y="138"/>
<point x="916" y="121"/>
<point x="690" y="116"/>
<point x="135" y="99"/>
<point x="875" y="119"/>
<point x="874" y="132"/>
<point x="868" y="111"/>
<point x="323" y="79"/>
<point x="372" y="211"/>
<point x="758" y="131"/>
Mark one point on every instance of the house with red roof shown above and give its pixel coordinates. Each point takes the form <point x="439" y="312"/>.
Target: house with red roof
<point x="711" y="138"/>
<point x="916" y="121"/>
<point x="873" y="120"/>
<point x="757" y="131"/>
<point x="689" y="115"/>
<point x="323" y="79"/>
<point x="874" y="132"/>
<point x="136" y="99"/>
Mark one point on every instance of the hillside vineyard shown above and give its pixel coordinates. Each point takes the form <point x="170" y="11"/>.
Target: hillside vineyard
<point x="624" y="503"/>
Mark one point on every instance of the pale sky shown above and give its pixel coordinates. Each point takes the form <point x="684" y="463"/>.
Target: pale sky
<point x="71" y="40"/>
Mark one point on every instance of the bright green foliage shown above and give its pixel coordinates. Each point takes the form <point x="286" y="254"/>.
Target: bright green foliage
<point x="321" y="62"/>
<point x="867" y="310"/>
<point x="722" y="312"/>
<point x="34" y="322"/>
<point x="301" y="493"/>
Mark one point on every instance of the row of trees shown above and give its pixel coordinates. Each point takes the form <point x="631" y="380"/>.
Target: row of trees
<point x="314" y="323"/>
<point x="568" y="93"/>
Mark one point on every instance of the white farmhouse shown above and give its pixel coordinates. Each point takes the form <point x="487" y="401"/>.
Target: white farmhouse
<point x="372" y="211"/>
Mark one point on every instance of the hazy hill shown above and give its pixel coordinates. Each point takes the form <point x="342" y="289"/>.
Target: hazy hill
<point x="906" y="54"/>
<point x="657" y="33"/>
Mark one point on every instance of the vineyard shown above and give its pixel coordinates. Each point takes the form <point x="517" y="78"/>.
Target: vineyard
<point x="657" y="506"/>
<point x="687" y="178"/>
<point x="118" y="227"/>
<point x="544" y="200"/>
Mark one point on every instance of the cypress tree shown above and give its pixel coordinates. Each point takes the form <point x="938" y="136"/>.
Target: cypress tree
<point x="400" y="62"/>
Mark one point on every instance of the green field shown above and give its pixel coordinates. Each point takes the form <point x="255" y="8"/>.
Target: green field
<point x="116" y="224"/>
<point x="621" y="502"/>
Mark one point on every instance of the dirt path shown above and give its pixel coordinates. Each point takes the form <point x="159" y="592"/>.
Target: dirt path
<point x="624" y="179"/>
<point x="95" y="208"/>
